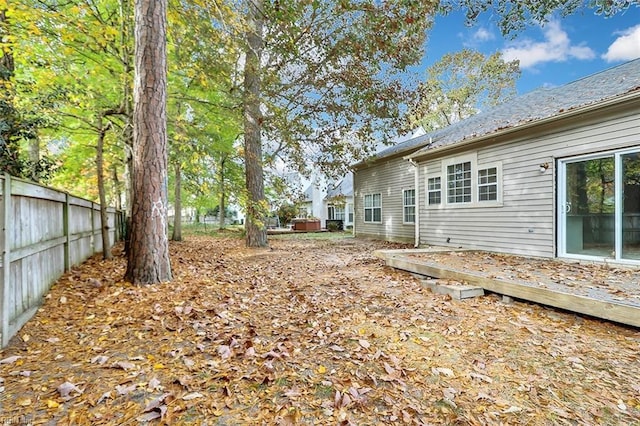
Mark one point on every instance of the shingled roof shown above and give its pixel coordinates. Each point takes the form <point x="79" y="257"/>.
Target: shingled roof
<point x="541" y="104"/>
<point x="344" y="187"/>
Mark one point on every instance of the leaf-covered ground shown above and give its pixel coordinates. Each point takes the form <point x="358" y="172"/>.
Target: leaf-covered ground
<point x="307" y="332"/>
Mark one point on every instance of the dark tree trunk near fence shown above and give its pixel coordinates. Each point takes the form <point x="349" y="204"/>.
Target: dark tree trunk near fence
<point x="177" y="218"/>
<point x="148" y="259"/>
<point x="104" y="220"/>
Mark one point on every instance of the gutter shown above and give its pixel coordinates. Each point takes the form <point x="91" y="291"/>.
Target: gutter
<point x="416" y="225"/>
<point x="634" y="94"/>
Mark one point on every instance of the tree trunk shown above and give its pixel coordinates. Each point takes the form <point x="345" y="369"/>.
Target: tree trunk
<point x="148" y="259"/>
<point x="254" y="174"/>
<point x="177" y="219"/>
<point x="104" y="218"/>
<point x="117" y="187"/>
<point x="127" y="133"/>
<point x="223" y="208"/>
<point x="9" y="148"/>
<point x="34" y="159"/>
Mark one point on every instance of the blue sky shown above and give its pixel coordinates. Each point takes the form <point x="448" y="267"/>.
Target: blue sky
<point x="563" y="50"/>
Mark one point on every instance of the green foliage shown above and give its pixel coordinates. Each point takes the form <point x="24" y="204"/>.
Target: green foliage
<point x="334" y="82"/>
<point x="461" y="84"/>
<point x="287" y="212"/>
<point x="513" y="16"/>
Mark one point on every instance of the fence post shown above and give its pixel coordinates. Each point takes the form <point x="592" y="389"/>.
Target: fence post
<point x="93" y="231"/>
<point x="66" y="226"/>
<point x="6" y="258"/>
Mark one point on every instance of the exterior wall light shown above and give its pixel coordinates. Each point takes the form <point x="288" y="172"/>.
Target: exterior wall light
<point x="544" y="167"/>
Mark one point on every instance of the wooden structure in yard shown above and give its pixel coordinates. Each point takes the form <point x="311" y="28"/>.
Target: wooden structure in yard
<point x="624" y="312"/>
<point x="43" y="232"/>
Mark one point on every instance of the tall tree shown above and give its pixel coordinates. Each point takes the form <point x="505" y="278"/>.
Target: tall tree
<point x="461" y="84"/>
<point x="148" y="258"/>
<point x="323" y="82"/>
<point x="253" y="161"/>
<point x="203" y="113"/>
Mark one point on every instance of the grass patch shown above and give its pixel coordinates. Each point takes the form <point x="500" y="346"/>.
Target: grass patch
<point x="313" y="236"/>
<point x="210" y="229"/>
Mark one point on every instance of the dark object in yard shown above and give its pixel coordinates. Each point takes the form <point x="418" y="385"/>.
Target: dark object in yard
<point x="335" y="224"/>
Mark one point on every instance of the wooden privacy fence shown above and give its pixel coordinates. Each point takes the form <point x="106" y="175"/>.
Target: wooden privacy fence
<point x="43" y="232"/>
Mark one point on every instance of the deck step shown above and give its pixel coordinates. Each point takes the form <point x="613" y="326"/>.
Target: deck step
<point x="456" y="291"/>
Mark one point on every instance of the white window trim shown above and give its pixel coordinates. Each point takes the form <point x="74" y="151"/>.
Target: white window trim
<point x="415" y="211"/>
<point x="427" y="191"/>
<point x="475" y="167"/>
<point x="364" y="208"/>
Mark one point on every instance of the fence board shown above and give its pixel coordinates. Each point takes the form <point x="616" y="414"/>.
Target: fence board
<point x="43" y="232"/>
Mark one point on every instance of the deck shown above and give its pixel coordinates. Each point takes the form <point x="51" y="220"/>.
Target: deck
<point x="610" y="292"/>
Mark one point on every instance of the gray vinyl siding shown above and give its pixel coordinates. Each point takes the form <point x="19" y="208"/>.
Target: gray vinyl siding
<point x="388" y="178"/>
<point x="525" y="224"/>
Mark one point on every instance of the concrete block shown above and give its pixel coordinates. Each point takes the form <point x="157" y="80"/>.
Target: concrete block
<point x="457" y="292"/>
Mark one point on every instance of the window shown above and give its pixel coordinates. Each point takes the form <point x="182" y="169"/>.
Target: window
<point x="459" y="183"/>
<point x="488" y="184"/>
<point x="373" y="208"/>
<point x="409" y="206"/>
<point x="350" y="209"/>
<point x="434" y="193"/>
<point x="335" y="212"/>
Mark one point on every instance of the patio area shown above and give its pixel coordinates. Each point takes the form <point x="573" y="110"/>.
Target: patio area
<point x="606" y="291"/>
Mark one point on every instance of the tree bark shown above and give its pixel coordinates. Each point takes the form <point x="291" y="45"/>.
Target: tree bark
<point x="223" y="207"/>
<point x="254" y="174"/>
<point x="148" y="259"/>
<point x="104" y="218"/>
<point x="177" y="218"/>
<point x="117" y="190"/>
<point x="34" y="159"/>
<point x="127" y="133"/>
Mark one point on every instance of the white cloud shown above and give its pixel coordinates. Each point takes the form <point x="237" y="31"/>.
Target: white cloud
<point x="483" y="35"/>
<point x="556" y="47"/>
<point x="625" y="47"/>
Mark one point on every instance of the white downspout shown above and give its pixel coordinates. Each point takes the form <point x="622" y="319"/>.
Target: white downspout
<point x="417" y="203"/>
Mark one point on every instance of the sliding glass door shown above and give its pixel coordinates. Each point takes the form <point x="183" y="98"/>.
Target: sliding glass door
<point x="630" y="206"/>
<point x="599" y="206"/>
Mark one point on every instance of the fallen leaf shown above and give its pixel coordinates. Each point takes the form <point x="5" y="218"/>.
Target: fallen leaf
<point x="192" y="395"/>
<point x="10" y="360"/>
<point x="147" y="417"/>
<point x="154" y="384"/>
<point x="442" y="370"/>
<point x="24" y="401"/>
<point x="124" y="365"/>
<point x="66" y="388"/>
<point x="125" y="390"/>
<point x="224" y="351"/>
<point x="100" y="359"/>
<point x="106" y="395"/>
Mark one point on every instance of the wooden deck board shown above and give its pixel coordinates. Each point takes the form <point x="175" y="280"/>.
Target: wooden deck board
<point x="614" y="311"/>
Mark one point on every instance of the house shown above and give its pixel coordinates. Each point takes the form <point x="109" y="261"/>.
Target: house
<point x="552" y="173"/>
<point x="333" y="201"/>
<point x="338" y="203"/>
<point x="384" y="193"/>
